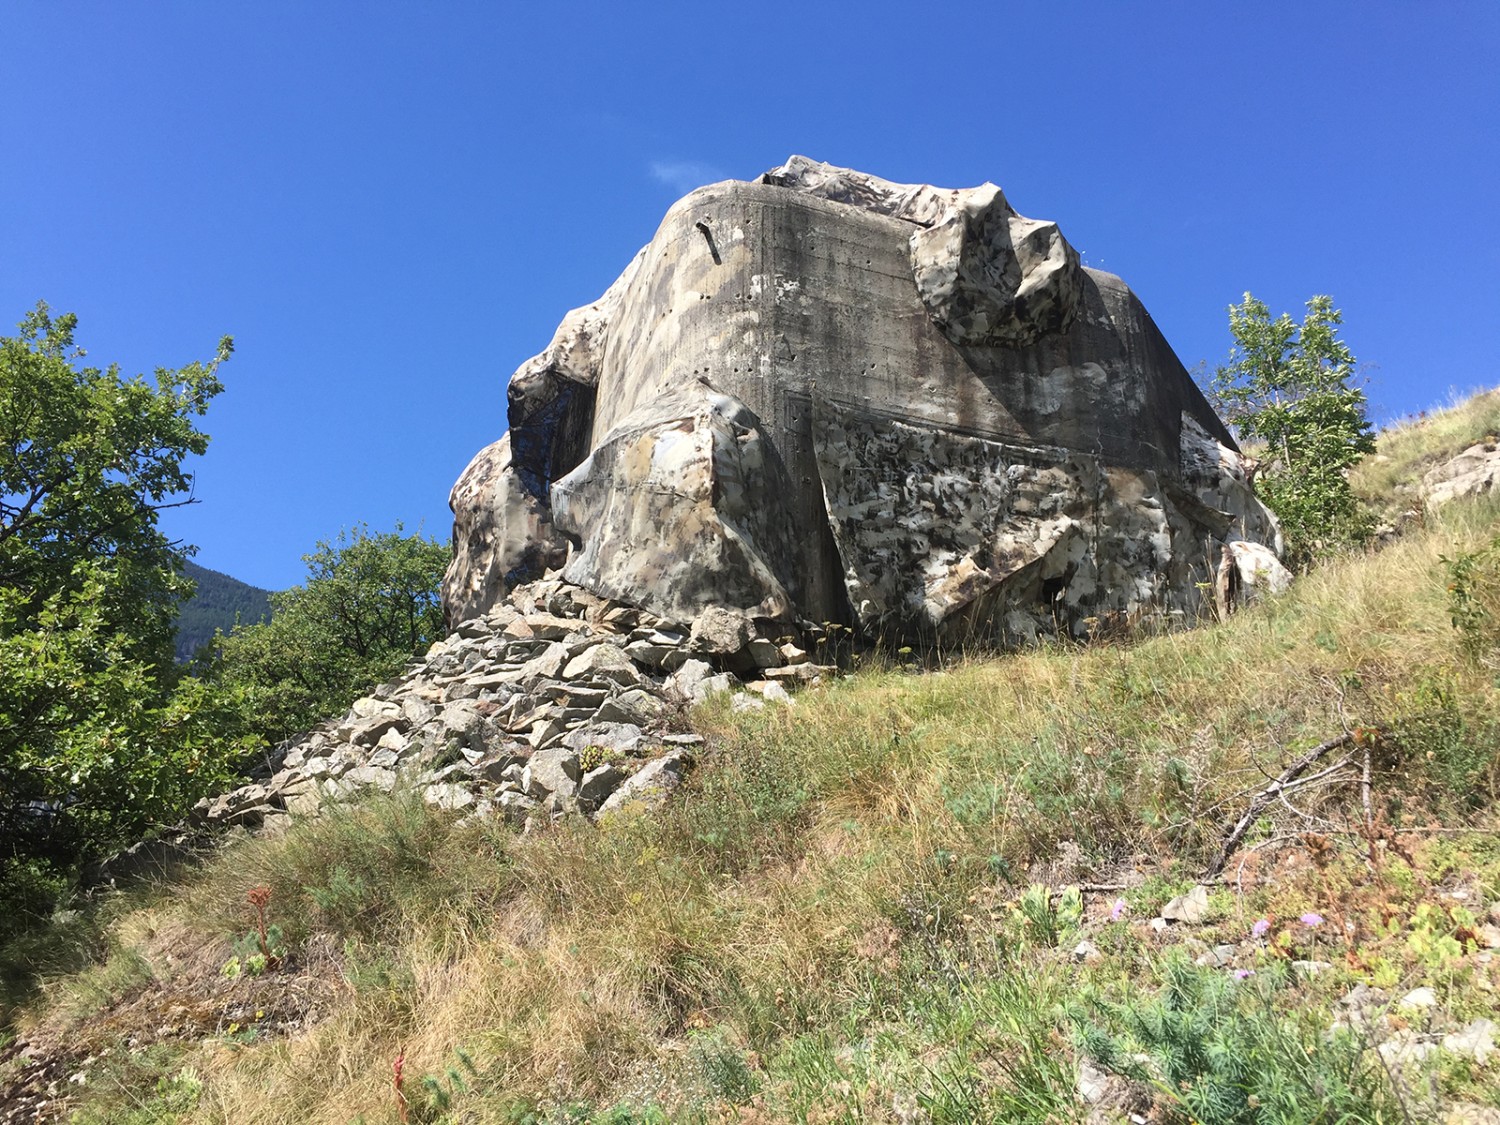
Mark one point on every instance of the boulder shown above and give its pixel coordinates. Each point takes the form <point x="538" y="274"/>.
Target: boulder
<point x="826" y="397"/>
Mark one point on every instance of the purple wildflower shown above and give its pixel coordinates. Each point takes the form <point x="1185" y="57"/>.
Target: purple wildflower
<point x="1241" y="974"/>
<point x="1117" y="911"/>
<point x="1312" y="921"/>
<point x="1259" y="929"/>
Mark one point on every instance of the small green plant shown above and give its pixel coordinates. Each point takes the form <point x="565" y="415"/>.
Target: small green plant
<point x="1223" y="1051"/>
<point x="440" y="1090"/>
<point x="1474" y="598"/>
<point x="725" y="1070"/>
<point x="1435" y="936"/>
<point x="1050" y="919"/>
<point x="592" y="758"/>
<point x="260" y="949"/>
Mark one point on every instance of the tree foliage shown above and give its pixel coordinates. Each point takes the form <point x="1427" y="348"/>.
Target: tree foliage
<point x="370" y="603"/>
<point x="99" y="735"/>
<point x="1290" y="388"/>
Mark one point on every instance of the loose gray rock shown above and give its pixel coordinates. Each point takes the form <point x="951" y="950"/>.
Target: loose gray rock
<point x="635" y="707"/>
<point x="371" y="777"/>
<point x="1476" y="1040"/>
<point x="1190" y="909"/>
<point x="602" y="661"/>
<point x="598" y="784"/>
<point x="551" y="771"/>
<point x="449" y="796"/>
<point x="719" y="632"/>
<point x="546" y="666"/>
<point x="649" y="787"/>
<point x="1474" y="472"/>
<point x="620" y="738"/>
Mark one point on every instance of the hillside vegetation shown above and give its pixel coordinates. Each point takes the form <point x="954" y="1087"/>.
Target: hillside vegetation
<point x="915" y="895"/>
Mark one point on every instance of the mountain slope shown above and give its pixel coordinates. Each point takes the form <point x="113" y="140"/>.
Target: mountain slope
<point x="976" y="893"/>
<point x="220" y="602"/>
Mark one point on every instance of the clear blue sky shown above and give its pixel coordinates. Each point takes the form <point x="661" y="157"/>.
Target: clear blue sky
<point x="390" y="206"/>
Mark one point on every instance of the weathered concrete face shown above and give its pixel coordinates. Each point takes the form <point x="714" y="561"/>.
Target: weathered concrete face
<point x="829" y="396"/>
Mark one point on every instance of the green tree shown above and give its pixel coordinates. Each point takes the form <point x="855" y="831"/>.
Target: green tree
<point x="370" y="603"/>
<point x="1290" y="388"/>
<point x="100" y="736"/>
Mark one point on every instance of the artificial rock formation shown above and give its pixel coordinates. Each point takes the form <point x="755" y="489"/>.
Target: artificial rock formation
<point x="824" y="396"/>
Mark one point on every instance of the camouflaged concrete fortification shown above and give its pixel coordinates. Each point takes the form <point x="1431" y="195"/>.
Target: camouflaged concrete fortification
<point x="825" y="396"/>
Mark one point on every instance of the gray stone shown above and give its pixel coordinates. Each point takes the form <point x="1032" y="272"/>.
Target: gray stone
<point x="773" y="692"/>
<point x="1474" y="472"/>
<point x="368" y="732"/>
<point x="637" y="707"/>
<point x="649" y="786"/>
<point x="1423" y="997"/>
<point x="550" y="627"/>
<point x="602" y="661"/>
<point x="1087" y="952"/>
<point x="576" y="695"/>
<point x="1218" y="957"/>
<point x="371" y="777"/>
<point x="515" y="807"/>
<point x="622" y="738"/>
<point x="598" y="784"/>
<point x="743" y="701"/>
<point x="800" y="673"/>
<point x="551" y="771"/>
<point x="647" y="654"/>
<point x="547" y="665"/>
<point x="499" y="767"/>
<point x="369" y="707"/>
<point x="392" y="740"/>
<point x="1476" y="1040"/>
<point x="546" y="732"/>
<point x="448" y="795"/>
<point x="719" y="632"/>
<point x="1191" y="908"/>
<point x="695" y="681"/>
<point x="384" y="758"/>
<point x="765" y="653"/>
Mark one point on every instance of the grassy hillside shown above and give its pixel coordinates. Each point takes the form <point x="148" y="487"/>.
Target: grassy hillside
<point x="220" y="602"/>
<point x="1391" y="479"/>
<point x="911" y="897"/>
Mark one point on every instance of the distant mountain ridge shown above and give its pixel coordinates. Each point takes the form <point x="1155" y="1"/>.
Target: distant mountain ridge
<point x="219" y="603"/>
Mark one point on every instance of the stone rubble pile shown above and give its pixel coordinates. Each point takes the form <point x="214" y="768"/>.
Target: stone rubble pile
<point x="554" y="702"/>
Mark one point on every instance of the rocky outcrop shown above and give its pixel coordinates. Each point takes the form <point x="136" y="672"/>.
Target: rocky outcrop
<point x="1474" y="472"/>
<point x="823" y="396"/>
<point x="554" y="702"/>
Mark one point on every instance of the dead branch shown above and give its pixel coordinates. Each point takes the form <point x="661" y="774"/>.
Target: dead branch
<point x="1270" y="793"/>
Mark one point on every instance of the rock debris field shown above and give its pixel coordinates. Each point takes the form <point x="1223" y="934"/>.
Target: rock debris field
<point x="554" y="702"/>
